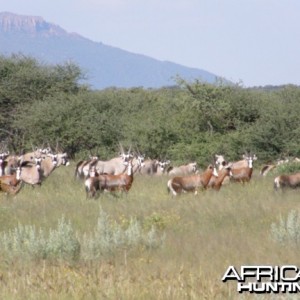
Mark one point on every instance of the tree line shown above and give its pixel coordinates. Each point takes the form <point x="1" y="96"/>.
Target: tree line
<point x="189" y="121"/>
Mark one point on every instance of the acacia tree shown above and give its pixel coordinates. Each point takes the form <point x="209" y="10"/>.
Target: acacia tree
<point x="25" y="81"/>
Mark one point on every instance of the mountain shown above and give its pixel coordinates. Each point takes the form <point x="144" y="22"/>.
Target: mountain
<point x="105" y="66"/>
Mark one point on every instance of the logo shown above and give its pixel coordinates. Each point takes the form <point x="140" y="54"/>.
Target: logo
<point x="265" y="279"/>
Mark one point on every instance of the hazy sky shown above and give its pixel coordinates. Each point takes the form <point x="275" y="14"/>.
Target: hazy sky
<point x="256" y="42"/>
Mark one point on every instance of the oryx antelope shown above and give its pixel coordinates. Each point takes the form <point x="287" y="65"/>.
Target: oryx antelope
<point x="48" y="164"/>
<point x="162" y="167"/>
<point x="191" y="183"/>
<point x="11" y="184"/>
<point x="183" y="170"/>
<point x="287" y="181"/>
<point x="36" y="153"/>
<point x="11" y="164"/>
<point x="114" y="166"/>
<point x="138" y="163"/>
<point x="220" y="161"/>
<point x="266" y="169"/>
<point x="216" y="182"/>
<point x="244" y="162"/>
<point x="31" y="173"/>
<point x="242" y="174"/>
<point x="83" y="167"/>
<point x="105" y="182"/>
<point x="149" y="167"/>
<point x="62" y="159"/>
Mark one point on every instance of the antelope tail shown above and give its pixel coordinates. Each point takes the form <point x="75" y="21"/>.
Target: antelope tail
<point x="170" y="187"/>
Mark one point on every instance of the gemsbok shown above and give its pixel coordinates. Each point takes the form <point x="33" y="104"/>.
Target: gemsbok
<point x="62" y="159"/>
<point x="243" y="163"/>
<point x="287" y="181"/>
<point x="31" y="173"/>
<point x="149" y="167"/>
<point x="48" y="164"/>
<point x="11" y="164"/>
<point x="162" y="166"/>
<point x="220" y="161"/>
<point x="11" y="184"/>
<point x="192" y="183"/>
<point x="36" y="153"/>
<point x="242" y="174"/>
<point x="216" y="182"/>
<point x="104" y="182"/>
<point x="183" y="170"/>
<point x="83" y="167"/>
<point x="266" y="169"/>
<point x="114" y="166"/>
<point x="138" y="162"/>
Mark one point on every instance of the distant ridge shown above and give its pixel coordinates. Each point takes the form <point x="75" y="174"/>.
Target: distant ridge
<point x="105" y="66"/>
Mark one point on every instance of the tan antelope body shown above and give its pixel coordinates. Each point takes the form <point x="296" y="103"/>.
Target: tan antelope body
<point x="105" y="182"/>
<point x="48" y="164"/>
<point x="31" y="156"/>
<point x="11" y="184"/>
<point x="242" y="174"/>
<point x="149" y="167"/>
<point x="216" y="182"/>
<point x="31" y="173"/>
<point x="191" y="183"/>
<point x="183" y="170"/>
<point x="12" y="162"/>
<point x="114" y="166"/>
<point x="243" y="163"/>
<point x="83" y="167"/>
<point x="287" y="181"/>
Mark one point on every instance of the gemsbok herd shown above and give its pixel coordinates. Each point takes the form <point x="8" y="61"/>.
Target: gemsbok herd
<point x="30" y="168"/>
<point x="117" y="174"/>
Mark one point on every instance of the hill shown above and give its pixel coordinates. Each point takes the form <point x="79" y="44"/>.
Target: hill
<point x="105" y="66"/>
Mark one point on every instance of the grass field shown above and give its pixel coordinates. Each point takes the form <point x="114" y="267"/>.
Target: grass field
<point x="176" y="248"/>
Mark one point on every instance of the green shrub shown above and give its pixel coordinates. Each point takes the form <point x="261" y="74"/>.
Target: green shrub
<point x="25" y="241"/>
<point x="61" y="243"/>
<point x="287" y="231"/>
<point x="288" y="168"/>
<point x="109" y="236"/>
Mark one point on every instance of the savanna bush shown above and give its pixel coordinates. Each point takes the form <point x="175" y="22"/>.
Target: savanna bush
<point x="288" y="168"/>
<point x="25" y="241"/>
<point x="287" y="230"/>
<point x="62" y="243"/>
<point x="109" y="236"/>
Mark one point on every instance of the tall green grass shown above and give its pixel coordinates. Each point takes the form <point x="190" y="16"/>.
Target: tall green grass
<point x="142" y="245"/>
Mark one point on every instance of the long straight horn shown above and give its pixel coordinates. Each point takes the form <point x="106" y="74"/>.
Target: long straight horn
<point x="121" y="148"/>
<point x="214" y="160"/>
<point x="56" y="147"/>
